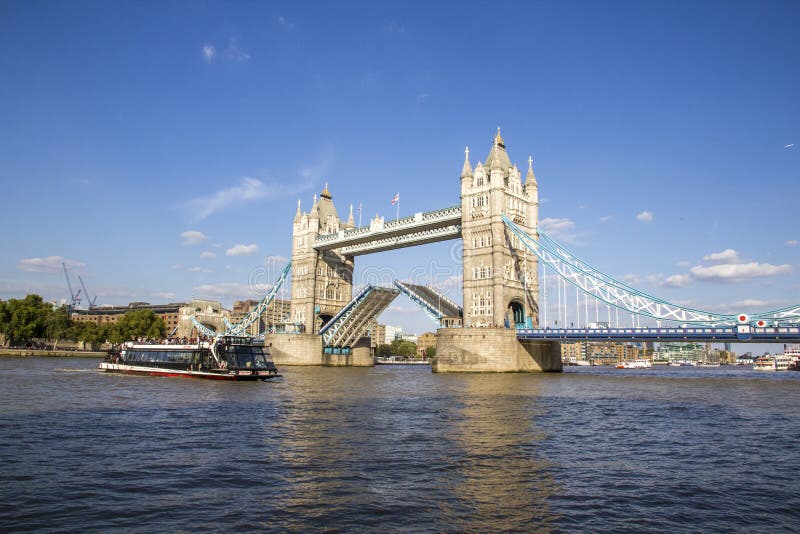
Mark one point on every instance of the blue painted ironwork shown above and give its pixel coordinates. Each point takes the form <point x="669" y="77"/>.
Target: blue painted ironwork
<point x="433" y="303"/>
<point x="352" y="321"/>
<point x="606" y="288"/>
<point x="203" y="329"/>
<point x="738" y="334"/>
<point x="240" y="327"/>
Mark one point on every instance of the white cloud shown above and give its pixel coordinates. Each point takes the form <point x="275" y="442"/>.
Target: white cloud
<point x="192" y="237"/>
<point x="606" y="218"/>
<point x="248" y="189"/>
<point x="421" y="99"/>
<point x="241" y="250"/>
<point x="726" y="256"/>
<point x="677" y="280"/>
<point x="791" y="243"/>
<point x="195" y="269"/>
<point x="724" y="267"/>
<point x="209" y="52"/>
<point x="556" y="227"/>
<point x="234" y="53"/>
<point x="743" y="305"/>
<point x="207" y="255"/>
<point x="645" y="216"/>
<point x="50" y="264"/>
<point x="277" y="259"/>
<point x="231" y="290"/>
<point x="737" y="272"/>
<point x="283" y="22"/>
<point x="631" y="279"/>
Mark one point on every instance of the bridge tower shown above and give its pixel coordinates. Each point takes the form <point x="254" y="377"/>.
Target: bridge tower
<point x="322" y="281"/>
<point x="500" y="278"/>
<point x="322" y="284"/>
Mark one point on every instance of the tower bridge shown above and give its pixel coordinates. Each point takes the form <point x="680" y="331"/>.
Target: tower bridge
<point x="497" y="329"/>
<point x="500" y="275"/>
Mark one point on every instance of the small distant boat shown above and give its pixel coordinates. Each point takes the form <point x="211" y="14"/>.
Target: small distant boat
<point x="794" y="358"/>
<point x="779" y="362"/>
<point x="675" y="364"/>
<point x="391" y="360"/>
<point x="708" y="364"/>
<point x="635" y="364"/>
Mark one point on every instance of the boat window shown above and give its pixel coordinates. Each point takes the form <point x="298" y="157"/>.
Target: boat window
<point x="245" y="357"/>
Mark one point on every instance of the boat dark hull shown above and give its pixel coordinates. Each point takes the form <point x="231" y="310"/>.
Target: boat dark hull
<point x="231" y="376"/>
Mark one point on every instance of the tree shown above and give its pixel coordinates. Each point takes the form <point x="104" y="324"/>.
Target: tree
<point x="57" y="324"/>
<point x="90" y="333"/>
<point x="430" y="353"/>
<point x="5" y="320"/>
<point x="111" y="333"/>
<point x="26" y="318"/>
<point x="402" y="347"/>
<point x="141" y="323"/>
<point x="383" y="350"/>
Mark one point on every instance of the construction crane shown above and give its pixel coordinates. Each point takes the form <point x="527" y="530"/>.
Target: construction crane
<point x="86" y="294"/>
<point x="75" y="297"/>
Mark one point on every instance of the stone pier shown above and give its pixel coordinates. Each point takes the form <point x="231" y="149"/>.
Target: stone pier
<point x="307" y="349"/>
<point x="360" y="356"/>
<point x="295" y="349"/>
<point x="492" y="350"/>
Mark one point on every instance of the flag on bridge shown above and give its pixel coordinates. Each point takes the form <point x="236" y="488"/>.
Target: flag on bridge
<point x="396" y="199"/>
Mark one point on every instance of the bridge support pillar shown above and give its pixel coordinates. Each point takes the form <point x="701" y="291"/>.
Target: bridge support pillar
<point x="360" y="356"/>
<point x="295" y="349"/>
<point x="492" y="350"/>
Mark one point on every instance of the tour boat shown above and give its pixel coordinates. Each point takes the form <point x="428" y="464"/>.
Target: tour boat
<point x="794" y="358"/>
<point x="635" y="364"/>
<point x="225" y="358"/>
<point x="779" y="362"/>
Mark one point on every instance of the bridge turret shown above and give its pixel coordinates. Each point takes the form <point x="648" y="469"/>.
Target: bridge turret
<point x="466" y="170"/>
<point x="321" y="280"/>
<point x="531" y="188"/>
<point x="500" y="278"/>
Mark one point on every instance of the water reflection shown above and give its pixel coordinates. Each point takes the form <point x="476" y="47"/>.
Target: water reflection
<point x="503" y="476"/>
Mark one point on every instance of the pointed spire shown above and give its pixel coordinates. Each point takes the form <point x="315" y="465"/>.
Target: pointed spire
<point x="351" y="222"/>
<point x="299" y="213"/>
<point x="498" y="139"/>
<point x="530" y="178"/>
<point x="314" y="211"/>
<point x="495" y="164"/>
<point x="466" y="171"/>
<point x="325" y="193"/>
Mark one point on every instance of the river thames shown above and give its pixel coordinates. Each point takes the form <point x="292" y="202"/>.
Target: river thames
<point x="399" y="449"/>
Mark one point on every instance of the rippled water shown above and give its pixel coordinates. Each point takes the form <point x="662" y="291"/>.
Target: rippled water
<point x="399" y="449"/>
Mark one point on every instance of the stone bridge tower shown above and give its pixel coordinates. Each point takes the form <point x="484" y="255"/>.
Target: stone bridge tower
<point x="322" y="282"/>
<point x="501" y="284"/>
<point x="500" y="275"/>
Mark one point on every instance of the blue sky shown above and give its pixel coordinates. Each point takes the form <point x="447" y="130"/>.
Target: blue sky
<point x="159" y="148"/>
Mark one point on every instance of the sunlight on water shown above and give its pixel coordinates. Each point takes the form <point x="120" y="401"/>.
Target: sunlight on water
<point x="398" y="449"/>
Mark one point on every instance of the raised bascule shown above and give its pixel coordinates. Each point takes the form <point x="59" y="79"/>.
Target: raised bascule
<point x="498" y="327"/>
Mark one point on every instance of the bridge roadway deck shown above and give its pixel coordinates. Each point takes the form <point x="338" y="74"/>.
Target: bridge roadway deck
<point x="437" y="302"/>
<point x="420" y="228"/>
<point x="719" y="334"/>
